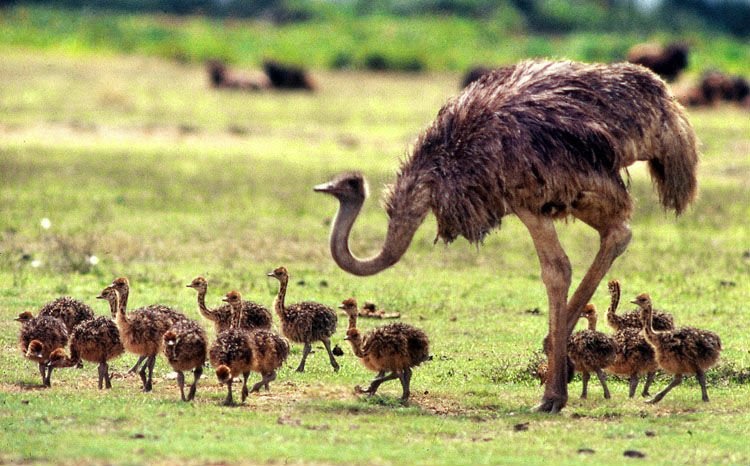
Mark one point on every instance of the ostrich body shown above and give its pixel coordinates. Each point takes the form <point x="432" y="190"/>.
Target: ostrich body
<point x="544" y="141"/>
<point x="122" y="285"/>
<point x="38" y="338"/>
<point x="591" y="351"/>
<point x="96" y="340"/>
<point x="70" y="310"/>
<point x="683" y="351"/>
<point x="141" y="330"/>
<point x="394" y="348"/>
<point x="632" y="319"/>
<point x="254" y="315"/>
<point x="185" y="347"/>
<point x="634" y="356"/>
<point x="304" y="322"/>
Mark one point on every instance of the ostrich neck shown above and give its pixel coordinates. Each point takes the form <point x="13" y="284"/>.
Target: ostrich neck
<point x="648" y="326"/>
<point x="123" y="299"/>
<point x="592" y="324"/>
<point x="400" y="232"/>
<point x="278" y="303"/>
<point x="121" y="317"/>
<point x="202" y="304"/>
<point x="236" y="315"/>
<point x="357" y="347"/>
<point x="352" y="321"/>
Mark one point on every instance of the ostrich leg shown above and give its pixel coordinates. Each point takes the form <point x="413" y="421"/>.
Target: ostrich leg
<point x="556" y="272"/>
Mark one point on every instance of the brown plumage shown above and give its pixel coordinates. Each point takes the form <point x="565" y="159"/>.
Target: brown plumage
<point x="634" y="356"/>
<point x="164" y="313"/>
<point x="632" y="319"/>
<point x="141" y="331"/>
<point x="304" y="322"/>
<point x="393" y="348"/>
<point x="239" y="351"/>
<point x="185" y="347"/>
<point x="542" y="140"/>
<point x="474" y="74"/>
<point x="96" y="340"/>
<point x="38" y="338"/>
<point x="284" y="76"/>
<point x="254" y="315"/>
<point x="683" y="351"/>
<point x="591" y="351"/>
<point x="70" y="310"/>
<point x="668" y="62"/>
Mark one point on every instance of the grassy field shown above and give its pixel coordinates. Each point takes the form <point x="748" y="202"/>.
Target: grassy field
<point x="136" y="161"/>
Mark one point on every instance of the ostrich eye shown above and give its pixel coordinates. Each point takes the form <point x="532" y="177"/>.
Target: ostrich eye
<point x="354" y="183"/>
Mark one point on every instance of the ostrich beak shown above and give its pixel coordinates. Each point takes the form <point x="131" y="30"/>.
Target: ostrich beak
<point x="634" y="302"/>
<point x="341" y="306"/>
<point x="100" y="297"/>
<point x="323" y="188"/>
<point x="270" y="274"/>
<point x="226" y="300"/>
<point x="188" y="286"/>
<point x="346" y="338"/>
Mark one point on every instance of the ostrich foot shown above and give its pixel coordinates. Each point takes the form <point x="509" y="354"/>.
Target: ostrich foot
<point x="550" y="405"/>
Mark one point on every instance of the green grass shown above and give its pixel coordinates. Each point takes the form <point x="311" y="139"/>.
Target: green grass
<point x="136" y="161"/>
<point x="435" y="43"/>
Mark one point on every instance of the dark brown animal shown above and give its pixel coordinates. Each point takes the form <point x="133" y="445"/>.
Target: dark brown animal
<point x="185" y="347"/>
<point x="222" y="78"/>
<point x="96" y="340"/>
<point x="668" y="62"/>
<point x="304" y="322"/>
<point x="683" y="351"/>
<point x="544" y="141"/>
<point x="70" y="310"/>
<point x="254" y="315"/>
<point x="238" y="351"/>
<point x="634" y="357"/>
<point x="591" y="351"/>
<point x="38" y="338"/>
<point x="661" y="320"/>
<point x="393" y="348"/>
<point x="283" y="76"/>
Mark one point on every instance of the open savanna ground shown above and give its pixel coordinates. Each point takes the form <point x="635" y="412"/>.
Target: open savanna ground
<point x="138" y="162"/>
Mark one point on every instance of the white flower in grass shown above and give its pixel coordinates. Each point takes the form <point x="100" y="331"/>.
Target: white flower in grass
<point x="93" y="260"/>
<point x="46" y="223"/>
<point x="36" y="263"/>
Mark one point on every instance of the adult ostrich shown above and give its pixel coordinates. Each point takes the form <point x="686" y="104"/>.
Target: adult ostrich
<point x="543" y="140"/>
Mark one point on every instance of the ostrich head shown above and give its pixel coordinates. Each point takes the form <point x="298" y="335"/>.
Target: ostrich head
<point x="224" y="374"/>
<point x="234" y="298"/>
<point x="24" y="317"/>
<point x="279" y="274"/>
<point x="170" y="338"/>
<point x="353" y="336"/>
<point x="589" y="313"/>
<point x="112" y="296"/>
<point x="199" y="283"/>
<point x="35" y="350"/>
<point x="347" y="187"/>
<point x="643" y="300"/>
<point x="349" y="306"/>
<point x="57" y="358"/>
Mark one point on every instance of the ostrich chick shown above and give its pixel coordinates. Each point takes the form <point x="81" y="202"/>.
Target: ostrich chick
<point x="634" y="356"/>
<point x="686" y="350"/>
<point x="71" y="311"/>
<point x="394" y="348"/>
<point x="38" y="338"/>
<point x="96" y="340"/>
<point x="254" y="314"/>
<point x="141" y="331"/>
<point x="632" y="319"/>
<point x="269" y="350"/>
<point x="185" y="348"/>
<point x="591" y="351"/>
<point x="304" y="322"/>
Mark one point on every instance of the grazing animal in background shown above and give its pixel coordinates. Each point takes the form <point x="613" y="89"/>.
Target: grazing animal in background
<point x="165" y="314"/>
<point x="391" y="350"/>
<point x="70" y="310"/>
<point x="633" y="355"/>
<point x="304" y="322"/>
<point x="221" y="77"/>
<point x="283" y="76"/>
<point x="239" y="351"/>
<point x="591" y="351"/>
<point x="473" y="74"/>
<point x="668" y="62"/>
<point x="185" y="347"/>
<point x="632" y="319"/>
<point x="254" y="315"/>
<point x="96" y="340"/>
<point x="683" y="351"/>
<point x="38" y="338"/>
<point x="545" y="141"/>
<point x="141" y="331"/>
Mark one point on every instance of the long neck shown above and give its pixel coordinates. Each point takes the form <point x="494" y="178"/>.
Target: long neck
<point x="647" y="314"/>
<point x="400" y="232"/>
<point x="352" y="320"/>
<point x="357" y="346"/>
<point x="237" y="316"/>
<point x="592" y="323"/>
<point x="123" y="298"/>
<point x="206" y="312"/>
<point x="278" y="303"/>
<point x="121" y="318"/>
